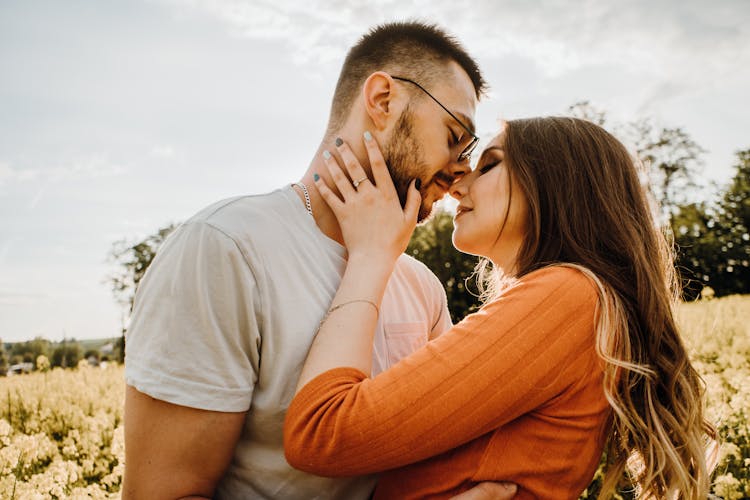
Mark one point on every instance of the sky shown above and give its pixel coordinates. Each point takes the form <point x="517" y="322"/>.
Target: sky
<point x="118" y="118"/>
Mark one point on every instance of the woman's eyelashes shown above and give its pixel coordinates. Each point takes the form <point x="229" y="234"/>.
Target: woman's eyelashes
<point x="488" y="166"/>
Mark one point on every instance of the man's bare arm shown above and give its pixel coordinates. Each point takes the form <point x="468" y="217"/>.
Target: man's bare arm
<point x="174" y="451"/>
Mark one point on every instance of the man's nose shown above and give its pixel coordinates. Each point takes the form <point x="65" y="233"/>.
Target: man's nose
<point x="459" y="170"/>
<point x="460" y="187"/>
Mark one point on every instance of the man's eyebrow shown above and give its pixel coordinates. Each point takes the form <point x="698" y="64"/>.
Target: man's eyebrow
<point x="467" y="121"/>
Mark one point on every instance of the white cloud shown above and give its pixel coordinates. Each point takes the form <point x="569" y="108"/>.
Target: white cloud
<point x="6" y="246"/>
<point x="6" y="173"/>
<point x="10" y="175"/>
<point x="318" y="31"/>
<point x="90" y="166"/>
<point x="37" y="197"/>
<point x="687" y="45"/>
<point x="14" y="298"/>
<point x="691" y="43"/>
<point x="163" y="152"/>
<point x="86" y="167"/>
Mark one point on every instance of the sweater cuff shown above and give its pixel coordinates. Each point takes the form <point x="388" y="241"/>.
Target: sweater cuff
<point x="328" y="380"/>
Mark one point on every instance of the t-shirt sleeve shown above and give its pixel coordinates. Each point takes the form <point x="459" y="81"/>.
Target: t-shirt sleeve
<point x="194" y="335"/>
<point x="511" y="357"/>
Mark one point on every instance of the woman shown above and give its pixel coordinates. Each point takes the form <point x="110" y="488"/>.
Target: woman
<point x="575" y="347"/>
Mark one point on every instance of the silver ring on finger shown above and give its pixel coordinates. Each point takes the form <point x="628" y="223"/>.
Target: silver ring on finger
<point x="359" y="181"/>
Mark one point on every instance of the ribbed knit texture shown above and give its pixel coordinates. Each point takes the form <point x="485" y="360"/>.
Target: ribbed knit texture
<point x="513" y="392"/>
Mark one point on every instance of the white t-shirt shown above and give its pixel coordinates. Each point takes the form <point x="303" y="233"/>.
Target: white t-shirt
<point x="226" y="313"/>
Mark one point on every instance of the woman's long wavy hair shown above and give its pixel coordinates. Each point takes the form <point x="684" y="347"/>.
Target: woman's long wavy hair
<point x="588" y="209"/>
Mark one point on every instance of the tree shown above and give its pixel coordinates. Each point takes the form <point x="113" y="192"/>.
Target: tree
<point x="3" y="360"/>
<point x="733" y="232"/>
<point x="132" y="260"/>
<point x="28" y="351"/>
<point x="673" y="159"/>
<point x="694" y="229"/>
<point x="713" y="240"/>
<point x="671" y="156"/>
<point x="93" y="353"/>
<point x="67" y="354"/>
<point x="586" y="111"/>
<point x="432" y="244"/>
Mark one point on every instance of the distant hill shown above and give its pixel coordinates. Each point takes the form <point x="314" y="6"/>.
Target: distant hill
<point x="86" y="344"/>
<point x="96" y="344"/>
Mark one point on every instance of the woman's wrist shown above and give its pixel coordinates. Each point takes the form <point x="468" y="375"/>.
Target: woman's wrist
<point x="374" y="260"/>
<point x="366" y="276"/>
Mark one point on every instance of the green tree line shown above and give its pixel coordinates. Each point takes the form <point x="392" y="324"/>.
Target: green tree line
<point x="64" y="354"/>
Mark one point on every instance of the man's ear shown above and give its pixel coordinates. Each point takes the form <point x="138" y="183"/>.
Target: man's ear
<point x="378" y="96"/>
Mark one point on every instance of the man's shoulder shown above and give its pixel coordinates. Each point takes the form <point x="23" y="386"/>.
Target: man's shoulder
<point x="413" y="269"/>
<point x="238" y="210"/>
<point x="258" y="215"/>
<point x="408" y="263"/>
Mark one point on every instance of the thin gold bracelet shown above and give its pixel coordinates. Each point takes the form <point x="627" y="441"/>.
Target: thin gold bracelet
<point x="339" y="306"/>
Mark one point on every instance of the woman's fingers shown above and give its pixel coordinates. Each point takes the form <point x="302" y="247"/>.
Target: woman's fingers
<point x="379" y="169"/>
<point x="329" y="196"/>
<point x="357" y="180"/>
<point x="339" y="178"/>
<point x="369" y="215"/>
<point x="353" y="167"/>
<point x="413" y="202"/>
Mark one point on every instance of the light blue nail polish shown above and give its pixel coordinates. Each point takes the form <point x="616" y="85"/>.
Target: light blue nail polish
<point x="316" y="177"/>
<point x="368" y="136"/>
<point x="326" y="155"/>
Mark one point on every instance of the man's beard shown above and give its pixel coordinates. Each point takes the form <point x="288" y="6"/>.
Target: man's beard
<point x="404" y="159"/>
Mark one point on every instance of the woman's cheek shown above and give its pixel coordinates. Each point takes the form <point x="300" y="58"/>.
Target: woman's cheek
<point x="460" y="239"/>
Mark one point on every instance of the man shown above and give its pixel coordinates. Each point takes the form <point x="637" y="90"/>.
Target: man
<point x="225" y="315"/>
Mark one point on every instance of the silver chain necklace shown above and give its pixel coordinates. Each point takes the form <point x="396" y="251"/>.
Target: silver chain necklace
<point x="307" y="196"/>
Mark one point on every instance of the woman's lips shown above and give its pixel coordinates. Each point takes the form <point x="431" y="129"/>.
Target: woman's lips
<point x="460" y="211"/>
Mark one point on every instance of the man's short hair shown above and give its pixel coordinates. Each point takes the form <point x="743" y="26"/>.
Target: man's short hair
<point x="411" y="49"/>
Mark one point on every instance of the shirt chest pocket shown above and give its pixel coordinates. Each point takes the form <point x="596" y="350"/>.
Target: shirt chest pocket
<point x="402" y="339"/>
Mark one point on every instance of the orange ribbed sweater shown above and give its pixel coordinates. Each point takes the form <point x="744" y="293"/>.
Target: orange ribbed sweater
<point x="513" y="392"/>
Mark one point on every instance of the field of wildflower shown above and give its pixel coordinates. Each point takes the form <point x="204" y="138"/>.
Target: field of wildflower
<point x="718" y="335"/>
<point x="61" y="433"/>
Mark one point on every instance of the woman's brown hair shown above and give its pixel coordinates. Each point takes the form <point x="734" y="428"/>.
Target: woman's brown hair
<point x="588" y="208"/>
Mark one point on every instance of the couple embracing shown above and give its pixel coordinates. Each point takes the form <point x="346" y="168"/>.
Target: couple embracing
<point x="283" y="346"/>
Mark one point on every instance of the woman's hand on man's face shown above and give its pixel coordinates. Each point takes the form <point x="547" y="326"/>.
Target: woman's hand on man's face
<point x="368" y="210"/>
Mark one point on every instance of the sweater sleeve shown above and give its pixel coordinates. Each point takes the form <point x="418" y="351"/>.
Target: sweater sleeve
<point x="512" y="356"/>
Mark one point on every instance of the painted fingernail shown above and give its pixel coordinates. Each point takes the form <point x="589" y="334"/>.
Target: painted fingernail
<point x="339" y="142"/>
<point x="368" y="136"/>
<point x="326" y="154"/>
<point x="316" y="177"/>
<point x="418" y="183"/>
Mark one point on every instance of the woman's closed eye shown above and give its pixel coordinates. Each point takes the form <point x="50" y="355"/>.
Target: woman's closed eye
<point x="488" y="166"/>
